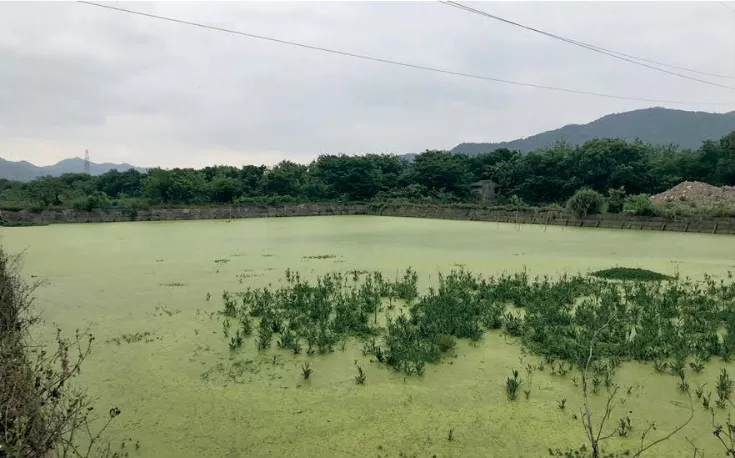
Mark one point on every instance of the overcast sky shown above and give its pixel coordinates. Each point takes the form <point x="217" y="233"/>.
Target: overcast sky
<point x="147" y="92"/>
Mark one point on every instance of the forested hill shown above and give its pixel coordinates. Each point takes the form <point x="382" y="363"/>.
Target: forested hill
<point x="657" y="126"/>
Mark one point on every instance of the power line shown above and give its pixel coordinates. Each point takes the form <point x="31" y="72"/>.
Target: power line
<point x="393" y="62"/>
<point x="598" y="49"/>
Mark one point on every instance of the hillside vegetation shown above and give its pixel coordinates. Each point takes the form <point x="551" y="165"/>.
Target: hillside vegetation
<point x="657" y="126"/>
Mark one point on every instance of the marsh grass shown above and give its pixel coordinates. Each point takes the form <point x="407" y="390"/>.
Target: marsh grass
<point x="666" y="322"/>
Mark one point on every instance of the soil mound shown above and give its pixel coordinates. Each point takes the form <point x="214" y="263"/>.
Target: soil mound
<point x="697" y="194"/>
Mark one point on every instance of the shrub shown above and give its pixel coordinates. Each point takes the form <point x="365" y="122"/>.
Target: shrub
<point x="585" y="202"/>
<point x="40" y="415"/>
<point x="639" y="205"/>
<point x="615" y="200"/>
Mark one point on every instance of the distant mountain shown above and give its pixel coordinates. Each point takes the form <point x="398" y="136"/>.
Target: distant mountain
<point x="25" y="171"/>
<point x="659" y="126"/>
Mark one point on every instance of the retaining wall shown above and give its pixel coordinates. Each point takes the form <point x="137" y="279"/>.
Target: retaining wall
<point x="614" y="221"/>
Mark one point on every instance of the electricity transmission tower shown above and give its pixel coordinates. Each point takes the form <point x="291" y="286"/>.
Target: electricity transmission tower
<point x="86" y="161"/>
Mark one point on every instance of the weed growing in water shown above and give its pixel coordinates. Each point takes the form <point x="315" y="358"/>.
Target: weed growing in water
<point x="306" y="370"/>
<point x="660" y="365"/>
<point x="724" y="388"/>
<point x="697" y="365"/>
<point x="450" y="436"/>
<point x="624" y="426"/>
<point x="683" y="384"/>
<point x="360" y="377"/>
<point x="512" y="385"/>
<point x="236" y="341"/>
<point x="562" y="403"/>
<point x="706" y="400"/>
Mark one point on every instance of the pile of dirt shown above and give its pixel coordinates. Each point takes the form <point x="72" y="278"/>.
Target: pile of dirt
<point x="698" y="195"/>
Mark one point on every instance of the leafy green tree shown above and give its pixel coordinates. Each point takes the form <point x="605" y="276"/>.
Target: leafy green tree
<point x="118" y="184"/>
<point x="45" y="191"/>
<point x="285" y="179"/>
<point x="585" y="202"/>
<point x="224" y="189"/>
<point x="177" y="186"/>
<point x="442" y="171"/>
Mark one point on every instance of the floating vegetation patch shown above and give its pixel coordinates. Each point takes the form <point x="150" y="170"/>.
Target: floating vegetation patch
<point x="221" y="261"/>
<point x="666" y="323"/>
<point x="173" y="285"/>
<point x="320" y="256"/>
<point x="146" y="337"/>
<point x="244" y="275"/>
<point x="163" y="310"/>
<point x="630" y="274"/>
<point x="235" y="372"/>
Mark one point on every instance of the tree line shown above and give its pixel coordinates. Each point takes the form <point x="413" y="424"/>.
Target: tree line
<point x="546" y="176"/>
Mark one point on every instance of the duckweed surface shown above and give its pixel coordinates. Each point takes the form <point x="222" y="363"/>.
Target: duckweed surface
<point x="151" y="293"/>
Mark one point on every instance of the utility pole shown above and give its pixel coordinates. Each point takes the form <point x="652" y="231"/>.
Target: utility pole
<point x="86" y="161"/>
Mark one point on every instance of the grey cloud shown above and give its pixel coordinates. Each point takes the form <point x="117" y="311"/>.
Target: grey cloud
<point x="139" y="90"/>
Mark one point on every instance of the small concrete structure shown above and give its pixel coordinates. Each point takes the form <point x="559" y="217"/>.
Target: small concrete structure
<point x="486" y="189"/>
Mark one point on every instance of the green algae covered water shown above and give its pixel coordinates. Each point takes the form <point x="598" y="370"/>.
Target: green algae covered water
<point x="183" y="393"/>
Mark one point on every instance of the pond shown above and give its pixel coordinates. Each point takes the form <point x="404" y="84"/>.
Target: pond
<point x="183" y="393"/>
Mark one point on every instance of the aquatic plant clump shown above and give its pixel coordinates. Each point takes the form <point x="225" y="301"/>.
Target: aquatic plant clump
<point x="630" y="273"/>
<point x="668" y="323"/>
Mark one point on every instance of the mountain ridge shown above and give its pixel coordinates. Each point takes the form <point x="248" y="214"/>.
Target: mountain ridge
<point x="25" y="171"/>
<point x="661" y="126"/>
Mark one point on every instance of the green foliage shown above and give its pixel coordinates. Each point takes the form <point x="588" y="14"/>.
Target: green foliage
<point x="549" y="175"/>
<point x="615" y="200"/>
<point x="639" y="205"/>
<point x="511" y="386"/>
<point x="585" y="202"/>
<point x="675" y="321"/>
<point x="630" y="273"/>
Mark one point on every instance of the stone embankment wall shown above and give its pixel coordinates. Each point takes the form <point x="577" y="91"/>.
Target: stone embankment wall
<point x="170" y="214"/>
<point x="613" y="221"/>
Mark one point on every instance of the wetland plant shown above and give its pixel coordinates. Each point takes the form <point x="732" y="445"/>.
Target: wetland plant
<point x="236" y="341"/>
<point x="511" y="386"/>
<point x="706" y="400"/>
<point x="624" y="426"/>
<point x="660" y="365"/>
<point x="683" y="384"/>
<point x="360" y="377"/>
<point x="724" y="388"/>
<point x="306" y="370"/>
<point x="562" y="403"/>
<point x="699" y="391"/>
<point x="527" y="393"/>
<point x="697" y="365"/>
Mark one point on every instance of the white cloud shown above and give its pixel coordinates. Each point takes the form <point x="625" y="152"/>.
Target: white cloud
<point x="148" y="92"/>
